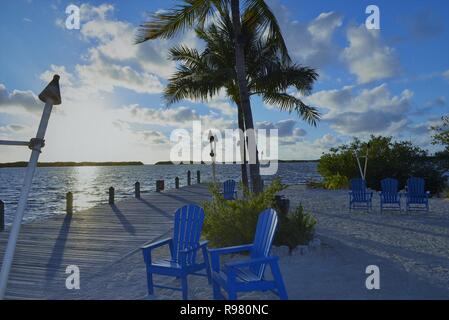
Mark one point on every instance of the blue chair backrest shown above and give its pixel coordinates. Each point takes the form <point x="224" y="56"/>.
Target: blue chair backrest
<point x="415" y="186"/>
<point x="358" y="185"/>
<point x="265" y="230"/>
<point x="389" y="185"/>
<point x="228" y="189"/>
<point x="389" y="189"/>
<point x="358" y="188"/>
<point x="187" y="230"/>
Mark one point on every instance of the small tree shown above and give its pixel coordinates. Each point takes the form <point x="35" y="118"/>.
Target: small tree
<point x="441" y="133"/>
<point x="441" y="137"/>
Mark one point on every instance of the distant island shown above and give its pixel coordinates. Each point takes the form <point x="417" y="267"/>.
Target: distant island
<point x="71" y="164"/>
<point x="202" y="162"/>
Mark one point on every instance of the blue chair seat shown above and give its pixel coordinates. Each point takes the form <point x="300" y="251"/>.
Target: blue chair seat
<point x="390" y="198"/>
<point x="416" y="196"/>
<point x="359" y="194"/>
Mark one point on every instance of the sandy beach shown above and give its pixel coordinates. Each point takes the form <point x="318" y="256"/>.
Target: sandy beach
<point x="410" y="250"/>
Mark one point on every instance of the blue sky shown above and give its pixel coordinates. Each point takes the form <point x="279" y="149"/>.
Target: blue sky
<point x="392" y="81"/>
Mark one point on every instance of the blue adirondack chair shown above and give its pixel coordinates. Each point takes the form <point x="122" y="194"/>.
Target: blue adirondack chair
<point x="417" y="197"/>
<point x="389" y="196"/>
<point x="248" y="274"/>
<point x="359" y="195"/>
<point x="229" y="192"/>
<point x="184" y="246"/>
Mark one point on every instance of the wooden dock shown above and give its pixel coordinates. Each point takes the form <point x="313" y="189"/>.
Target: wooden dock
<point x="91" y="239"/>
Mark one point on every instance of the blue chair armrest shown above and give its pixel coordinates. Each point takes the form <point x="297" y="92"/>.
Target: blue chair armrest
<point x="156" y="244"/>
<point x="215" y="254"/>
<point x="228" y="250"/>
<point x="249" y="262"/>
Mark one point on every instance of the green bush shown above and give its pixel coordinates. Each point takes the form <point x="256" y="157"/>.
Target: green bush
<point x="336" y="181"/>
<point x="229" y="223"/>
<point x="386" y="158"/>
<point x="295" y="229"/>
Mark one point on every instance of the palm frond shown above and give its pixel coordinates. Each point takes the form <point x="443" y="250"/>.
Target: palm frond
<point x="165" y="24"/>
<point x="286" y="102"/>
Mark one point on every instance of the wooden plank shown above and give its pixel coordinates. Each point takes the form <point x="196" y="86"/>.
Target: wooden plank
<point x="91" y="239"/>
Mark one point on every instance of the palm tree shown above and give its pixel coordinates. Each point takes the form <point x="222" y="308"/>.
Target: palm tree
<point x="200" y="76"/>
<point x="196" y="12"/>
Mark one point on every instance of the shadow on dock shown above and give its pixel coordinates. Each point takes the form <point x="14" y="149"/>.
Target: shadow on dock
<point x="57" y="254"/>
<point x="127" y="225"/>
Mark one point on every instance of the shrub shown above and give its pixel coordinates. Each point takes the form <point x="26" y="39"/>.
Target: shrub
<point x="295" y="229"/>
<point x="336" y="181"/>
<point x="386" y="158"/>
<point x="229" y="223"/>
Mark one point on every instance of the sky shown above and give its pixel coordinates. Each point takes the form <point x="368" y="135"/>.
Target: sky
<point x="393" y="81"/>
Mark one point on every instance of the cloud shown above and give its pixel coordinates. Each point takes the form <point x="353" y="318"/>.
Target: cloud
<point x="287" y="132"/>
<point x="310" y="43"/>
<point x="101" y="75"/>
<point x="327" y="141"/>
<point x="19" y="100"/>
<point x="179" y="117"/>
<point x="376" y="110"/>
<point x="367" y="56"/>
<point x="116" y="41"/>
<point x="445" y="74"/>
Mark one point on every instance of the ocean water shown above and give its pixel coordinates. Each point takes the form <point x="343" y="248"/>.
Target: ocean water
<point x="90" y="185"/>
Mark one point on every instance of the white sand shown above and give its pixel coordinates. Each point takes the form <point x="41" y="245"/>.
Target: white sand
<point x="411" y="250"/>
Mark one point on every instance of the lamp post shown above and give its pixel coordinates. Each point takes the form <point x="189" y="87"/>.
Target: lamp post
<point x="213" y="145"/>
<point x="51" y="96"/>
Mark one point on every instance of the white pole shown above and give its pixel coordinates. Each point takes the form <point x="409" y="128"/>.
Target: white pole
<point x="46" y="95"/>
<point x="358" y="163"/>
<point x="366" y="164"/>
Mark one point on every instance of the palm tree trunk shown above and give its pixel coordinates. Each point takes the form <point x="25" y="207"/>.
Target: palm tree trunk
<point x="240" y="67"/>
<point x="242" y="144"/>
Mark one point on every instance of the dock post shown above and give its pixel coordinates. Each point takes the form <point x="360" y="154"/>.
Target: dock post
<point x="137" y="190"/>
<point x="177" y="183"/>
<point x="189" y="179"/>
<point x="69" y="203"/>
<point x="111" y="195"/>
<point x="2" y="215"/>
<point x="198" y="176"/>
<point x="160" y="185"/>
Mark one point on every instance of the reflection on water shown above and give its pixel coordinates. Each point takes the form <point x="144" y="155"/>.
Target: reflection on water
<point x="90" y="184"/>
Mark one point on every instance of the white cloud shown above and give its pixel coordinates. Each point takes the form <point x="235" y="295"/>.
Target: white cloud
<point x="367" y="111"/>
<point x="101" y="75"/>
<point x="310" y="43"/>
<point x="367" y="56"/>
<point x="179" y="117"/>
<point x="19" y="100"/>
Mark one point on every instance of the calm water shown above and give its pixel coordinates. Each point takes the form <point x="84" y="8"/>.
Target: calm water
<point x="90" y="184"/>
